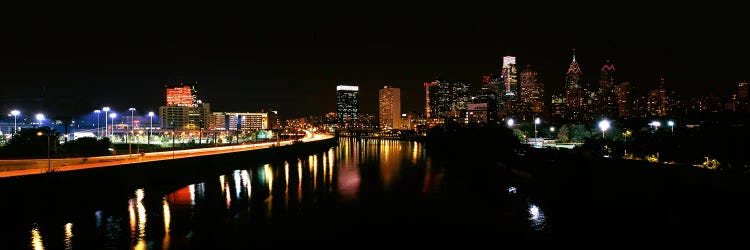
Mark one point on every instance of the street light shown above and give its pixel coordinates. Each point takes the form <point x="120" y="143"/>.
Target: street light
<point x="132" y="126"/>
<point x="15" y="114"/>
<point x="536" y="122"/>
<point x="113" y="115"/>
<point x="40" y="118"/>
<point x="510" y="122"/>
<point x="49" y="162"/>
<point x="655" y="124"/>
<point x="671" y="125"/>
<point x="150" y="126"/>
<point x="551" y="129"/>
<point x="132" y="121"/>
<point x="603" y="125"/>
<point x="98" y="131"/>
<point x="106" y="128"/>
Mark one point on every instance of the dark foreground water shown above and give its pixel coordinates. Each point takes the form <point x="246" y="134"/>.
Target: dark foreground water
<point x="360" y="194"/>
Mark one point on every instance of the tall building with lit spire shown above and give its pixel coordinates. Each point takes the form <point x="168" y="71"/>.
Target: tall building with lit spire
<point x="575" y="93"/>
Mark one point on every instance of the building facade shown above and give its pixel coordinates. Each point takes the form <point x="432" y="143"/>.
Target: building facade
<point x="389" y="105"/>
<point x="242" y="121"/>
<point x="347" y="104"/>
<point x="184" y="111"/>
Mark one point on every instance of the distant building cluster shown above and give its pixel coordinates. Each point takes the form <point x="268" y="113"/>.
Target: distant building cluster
<point x="501" y="97"/>
<point x="185" y="111"/>
<point x="517" y="94"/>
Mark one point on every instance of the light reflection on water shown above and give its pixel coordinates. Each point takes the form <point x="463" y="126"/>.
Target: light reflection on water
<point x="536" y="217"/>
<point x="36" y="239"/>
<point x="348" y="174"/>
<point x="68" y="236"/>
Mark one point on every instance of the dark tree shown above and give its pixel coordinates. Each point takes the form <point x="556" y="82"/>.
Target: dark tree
<point x="32" y="143"/>
<point x="87" y="146"/>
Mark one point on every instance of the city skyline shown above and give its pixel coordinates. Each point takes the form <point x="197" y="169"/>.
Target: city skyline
<point x="261" y="64"/>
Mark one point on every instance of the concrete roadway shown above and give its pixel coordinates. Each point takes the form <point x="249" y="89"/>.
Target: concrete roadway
<point x="40" y="166"/>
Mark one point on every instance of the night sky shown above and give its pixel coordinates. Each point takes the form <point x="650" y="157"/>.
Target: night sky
<point x="292" y="62"/>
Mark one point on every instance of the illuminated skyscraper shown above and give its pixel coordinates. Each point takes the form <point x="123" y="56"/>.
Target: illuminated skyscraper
<point x="532" y="94"/>
<point x="607" y="97"/>
<point x="624" y="100"/>
<point x="184" y="110"/>
<point x="575" y="93"/>
<point x="509" y="100"/>
<point x="180" y="95"/>
<point x="347" y="104"/>
<point x="445" y="101"/>
<point x="389" y="102"/>
<point x="743" y="104"/>
<point x="491" y="92"/>
<point x="488" y="94"/>
<point x="657" y="100"/>
<point x="557" y="112"/>
<point x="510" y="75"/>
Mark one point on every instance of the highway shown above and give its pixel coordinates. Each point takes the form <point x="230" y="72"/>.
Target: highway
<point x="40" y="166"/>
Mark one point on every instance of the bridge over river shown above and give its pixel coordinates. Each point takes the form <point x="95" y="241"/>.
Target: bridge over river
<point x="25" y="167"/>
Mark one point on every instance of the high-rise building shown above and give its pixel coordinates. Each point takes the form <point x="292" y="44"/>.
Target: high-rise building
<point x="509" y="100"/>
<point x="492" y="91"/>
<point x="181" y="95"/>
<point x="445" y="101"/>
<point x="624" y="100"/>
<point x="575" y="93"/>
<point x="557" y="112"/>
<point x="389" y="103"/>
<point x="184" y="110"/>
<point x="532" y="94"/>
<point x="607" y="97"/>
<point x="743" y="104"/>
<point x="347" y="104"/>
<point x="476" y="113"/>
<point x="510" y="75"/>
<point x="657" y="100"/>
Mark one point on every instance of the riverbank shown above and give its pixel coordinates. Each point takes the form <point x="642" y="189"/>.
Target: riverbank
<point x="660" y="202"/>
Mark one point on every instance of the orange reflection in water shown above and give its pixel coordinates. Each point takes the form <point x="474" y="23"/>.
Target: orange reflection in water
<point x="36" y="239"/>
<point x="68" y="236"/>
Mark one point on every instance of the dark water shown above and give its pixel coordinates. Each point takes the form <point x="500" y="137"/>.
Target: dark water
<point x="360" y="194"/>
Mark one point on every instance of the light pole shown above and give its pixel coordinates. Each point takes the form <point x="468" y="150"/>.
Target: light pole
<point x="603" y="125"/>
<point x="536" y="122"/>
<point x="132" y="126"/>
<point x="15" y="114"/>
<point x="105" y="109"/>
<point x="98" y="131"/>
<point x="49" y="162"/>
<point x="113" y="115"/>
<point x="671" y="125"/>
<point x="132" y="120"/>
<point x="150" y="126"/>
